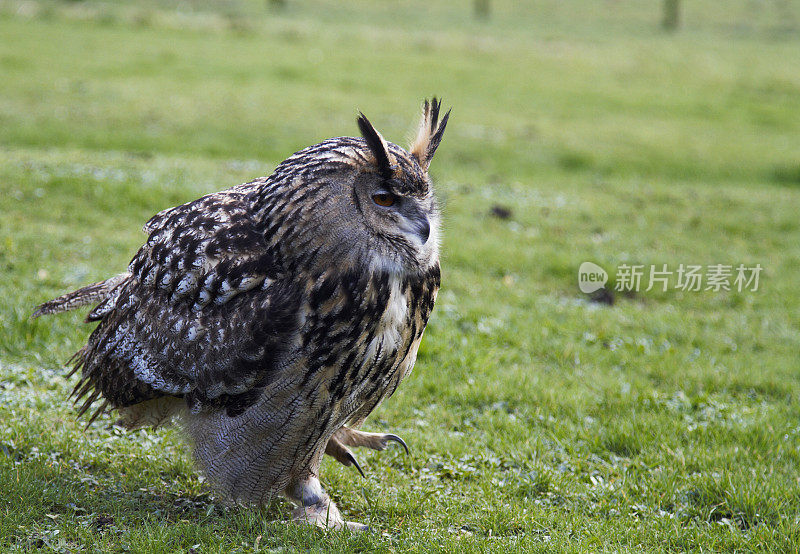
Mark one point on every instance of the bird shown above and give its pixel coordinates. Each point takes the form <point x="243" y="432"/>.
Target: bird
<point x="268" y="320"/>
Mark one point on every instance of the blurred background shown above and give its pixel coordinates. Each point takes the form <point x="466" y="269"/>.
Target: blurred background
<point x="594" y="85"/>
<point x="610" y="131"/>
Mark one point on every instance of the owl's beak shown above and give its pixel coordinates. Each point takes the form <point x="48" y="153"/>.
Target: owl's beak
<point x="421" y="228"/>
<point x="424" y="229"/>
<point x="416" y="223"/>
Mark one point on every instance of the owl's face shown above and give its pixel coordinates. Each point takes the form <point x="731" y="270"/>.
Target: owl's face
<point x="399" y="214"/>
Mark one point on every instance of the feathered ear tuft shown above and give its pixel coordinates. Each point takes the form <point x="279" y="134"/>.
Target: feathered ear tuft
<point x="430" y="133"/>
<point x="376" y="145"/>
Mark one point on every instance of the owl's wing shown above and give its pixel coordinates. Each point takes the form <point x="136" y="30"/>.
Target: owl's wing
<point x="205" y="314"/>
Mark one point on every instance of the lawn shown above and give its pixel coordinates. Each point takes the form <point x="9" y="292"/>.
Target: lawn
<point x="538" y="418"/>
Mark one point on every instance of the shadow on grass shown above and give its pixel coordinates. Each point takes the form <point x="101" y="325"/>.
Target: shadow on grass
<point x="49" y="502"/>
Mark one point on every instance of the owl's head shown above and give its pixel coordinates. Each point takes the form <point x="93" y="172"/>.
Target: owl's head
<point x="393" y="191"/>
<point x="373" y="200"/>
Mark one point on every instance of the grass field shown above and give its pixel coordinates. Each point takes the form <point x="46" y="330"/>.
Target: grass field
<point x="537" y="419"/>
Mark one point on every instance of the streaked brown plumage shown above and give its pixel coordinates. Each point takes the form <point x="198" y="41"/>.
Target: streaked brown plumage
<point x="274" y="316"/>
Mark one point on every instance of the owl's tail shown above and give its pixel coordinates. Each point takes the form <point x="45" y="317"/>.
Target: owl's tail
<point x="91" y="294"/>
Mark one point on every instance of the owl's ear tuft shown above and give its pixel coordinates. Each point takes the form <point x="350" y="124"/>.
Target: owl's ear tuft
<point x="430" y="133"/>
<point x="376" y="145"/>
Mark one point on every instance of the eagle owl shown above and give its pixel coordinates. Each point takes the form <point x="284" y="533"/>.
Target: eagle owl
<point x="271" y="318"/>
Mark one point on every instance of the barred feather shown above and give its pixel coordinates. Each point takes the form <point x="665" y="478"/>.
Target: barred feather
<point x="87" y="295"/>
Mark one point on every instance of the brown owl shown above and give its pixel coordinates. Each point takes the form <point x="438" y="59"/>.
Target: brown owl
<point x="271" y="318"/>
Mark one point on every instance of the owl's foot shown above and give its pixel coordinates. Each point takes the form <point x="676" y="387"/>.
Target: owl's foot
<point x="375" y="441"/>
<point x="344" y="437"/>
<point x="326" y="516"/>
<point x="316" y="508"/>
<point x="342" y="454"/>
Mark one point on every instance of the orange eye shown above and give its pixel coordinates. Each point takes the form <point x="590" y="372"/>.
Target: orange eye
<point x="384" y="199"/>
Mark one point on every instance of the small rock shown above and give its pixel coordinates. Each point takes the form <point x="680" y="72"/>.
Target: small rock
<point x="501" y="212"/>
<point x="603" y="296"/>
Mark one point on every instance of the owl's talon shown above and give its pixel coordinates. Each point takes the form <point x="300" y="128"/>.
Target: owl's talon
<point x="353" y="461"/>
<point x="398" y="440"/>
<point x="345" y="436"/>
<point x="343" y="455"/>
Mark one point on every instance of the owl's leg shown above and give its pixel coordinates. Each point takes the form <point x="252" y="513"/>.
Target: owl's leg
<point x="375" y="441"/>
<point x="315" y="507"/>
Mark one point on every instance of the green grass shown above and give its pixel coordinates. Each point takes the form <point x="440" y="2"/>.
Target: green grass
<point x="537" y="419"/>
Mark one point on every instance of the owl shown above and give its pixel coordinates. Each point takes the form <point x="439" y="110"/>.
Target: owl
<point x="270" y="319"/>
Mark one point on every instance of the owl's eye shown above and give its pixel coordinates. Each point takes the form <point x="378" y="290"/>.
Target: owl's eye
<point x="384" y="199"/>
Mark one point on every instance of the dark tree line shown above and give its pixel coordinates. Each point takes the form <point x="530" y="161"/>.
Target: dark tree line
<point x="671" y="18"/>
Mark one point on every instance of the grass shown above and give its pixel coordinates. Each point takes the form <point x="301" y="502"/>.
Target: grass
<point x="537" y="419"/>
